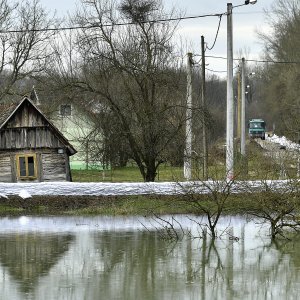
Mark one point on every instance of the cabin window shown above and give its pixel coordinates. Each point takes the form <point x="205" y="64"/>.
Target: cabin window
<point x="26" y="166"/>
<point x="65" y="110"/>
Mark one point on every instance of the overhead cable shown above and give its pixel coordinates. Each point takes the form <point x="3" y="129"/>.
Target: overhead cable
<point x="256" y="60"/>
<point x="96" y="24"/>
<point x="210" y="48"/>
<point x="215" y="71"/>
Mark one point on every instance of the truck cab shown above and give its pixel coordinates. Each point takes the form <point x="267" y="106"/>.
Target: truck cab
<point x="257" y="128"/>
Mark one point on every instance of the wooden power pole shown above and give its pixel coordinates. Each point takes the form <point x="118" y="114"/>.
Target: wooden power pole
<point x="243" y="111"/>
<point x="204" y="112"/>
<point x="187" y="167"/>
<point x="229" y="98"/>
<point x="239" y="104"/>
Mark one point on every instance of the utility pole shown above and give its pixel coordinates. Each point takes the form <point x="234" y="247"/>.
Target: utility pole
<point x="230" y="104"/>
<point x="203" y="100"/>
<point x="243" y="111"/>
<point x="238" y="132"/>
<point x="187" y="167"/>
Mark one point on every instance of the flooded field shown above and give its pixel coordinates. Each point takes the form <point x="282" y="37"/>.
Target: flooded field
<point x="132" y="258"/>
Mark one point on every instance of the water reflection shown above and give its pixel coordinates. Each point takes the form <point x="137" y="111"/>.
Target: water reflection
<point x="27" y="257"/>
<point x="90" y="260"/>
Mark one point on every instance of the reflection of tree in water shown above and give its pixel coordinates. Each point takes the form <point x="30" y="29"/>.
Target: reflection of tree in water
<point x="282" y="267"/>
<point x="144" y="266"/>
<point x="269" y="271"/>
<point x="214" y="271"/>
<point x="125" y="256"/>
<point x="147" y="267"/>
<point x="289" y="247"/>
<point x="141" y="265"/>
<point x="29" y="256"/>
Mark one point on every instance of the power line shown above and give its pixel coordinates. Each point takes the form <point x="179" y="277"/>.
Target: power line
<point x="249" y="12"/>
<point x="256" y="60"/>
<point x="273" y="61"/>
<point x="210" y="48"/>
<point x="95" y="25"/>
<point x="215" y="71"/>
<point x="218" y="71"/>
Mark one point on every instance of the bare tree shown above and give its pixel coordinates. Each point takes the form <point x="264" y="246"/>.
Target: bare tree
<point x="24" y="46"/>
<point x="278" y="206"/>
<point x="281" y="81"/>
<point x="132" y="70"/>
<point x="211" y="203"/>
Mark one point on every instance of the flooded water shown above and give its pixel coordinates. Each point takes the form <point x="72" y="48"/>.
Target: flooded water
<point x="130" y="258"/>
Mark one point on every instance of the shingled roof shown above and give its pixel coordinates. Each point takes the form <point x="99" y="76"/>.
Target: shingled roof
<point x="5" y="111"/>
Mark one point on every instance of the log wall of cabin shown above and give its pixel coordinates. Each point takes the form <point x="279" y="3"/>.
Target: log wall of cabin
<point x="50" y="165"/>
<point x="54" y="167"/>
<point x="5" y="168"/>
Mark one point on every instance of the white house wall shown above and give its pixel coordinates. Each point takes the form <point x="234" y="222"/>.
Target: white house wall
<point x="76" y="128"/>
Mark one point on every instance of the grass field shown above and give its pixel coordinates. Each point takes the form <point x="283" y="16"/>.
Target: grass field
<point x="259" y="165"/>
<point x="126" y="174"/>
<point x="256" y="161"/>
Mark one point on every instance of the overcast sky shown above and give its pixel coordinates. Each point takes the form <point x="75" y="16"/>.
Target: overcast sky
<point x="246" y="21"/>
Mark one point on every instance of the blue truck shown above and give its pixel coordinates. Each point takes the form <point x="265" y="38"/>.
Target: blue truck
<point x="257" y="128"/>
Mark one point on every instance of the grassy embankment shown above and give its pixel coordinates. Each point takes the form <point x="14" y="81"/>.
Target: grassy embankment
<point x="121" y="205"/>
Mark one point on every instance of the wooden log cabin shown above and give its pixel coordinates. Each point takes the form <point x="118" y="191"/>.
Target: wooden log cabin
<point x="31" y="147"/>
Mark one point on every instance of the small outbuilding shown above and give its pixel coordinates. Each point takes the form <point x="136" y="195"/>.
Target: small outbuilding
<point x="31" y="147"/>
